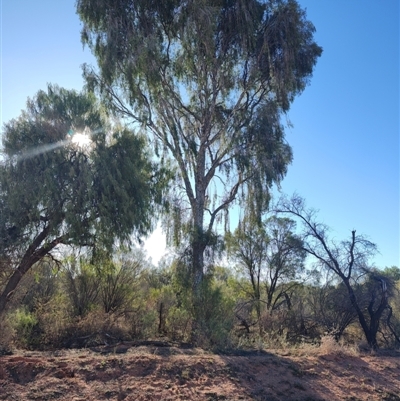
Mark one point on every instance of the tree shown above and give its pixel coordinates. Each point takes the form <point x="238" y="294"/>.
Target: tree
<point x="209" y="82"/>
<point x="54" y="193"/>
<point x="285" y="260"/>
<point x="272" y="256"/>
<point x="247" y="246"/>
<point x="348" y="260"/>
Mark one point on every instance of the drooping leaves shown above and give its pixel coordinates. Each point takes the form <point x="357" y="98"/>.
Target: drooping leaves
<point x="208" y="81"/>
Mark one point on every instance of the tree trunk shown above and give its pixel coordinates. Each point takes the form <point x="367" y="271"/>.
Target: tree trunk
<point x="13" y="282"/>
<point x="31" y="256"/>
<point x="199" y="243"/>
<point x="371" y="330"/>
<point x="197" y="286"/>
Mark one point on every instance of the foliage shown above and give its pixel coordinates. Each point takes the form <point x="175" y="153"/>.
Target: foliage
<point x="82" y="285"/>
<point x="53" y="193"/>
<point x="272" y="258"/>
<point x="156" y="304"/>
<point x="118" y="282"/>
<point x="209" y="81"/>
<point x="7" y="334"/>
<point x="25" y="323"/>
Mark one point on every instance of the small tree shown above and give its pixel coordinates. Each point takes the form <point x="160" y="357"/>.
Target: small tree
<point x="82" y="284"/>
<point x="247" y="246"/>
<point x="348" y="260"/>
<point x="271" y="256"/>
<point x="54" y="193"/>
<point x="284" y="260"/>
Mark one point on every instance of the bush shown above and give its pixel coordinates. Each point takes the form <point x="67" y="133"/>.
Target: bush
<point x="216" y="317"/>
<point x="54" y="319"/>
<point x="7" y="335"/>
<point x="178" y="324"/>
<point x="97" y="328"/>
<point x="25" y="325"/>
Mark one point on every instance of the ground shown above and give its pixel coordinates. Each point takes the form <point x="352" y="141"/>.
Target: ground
<point x="160" y="372"/>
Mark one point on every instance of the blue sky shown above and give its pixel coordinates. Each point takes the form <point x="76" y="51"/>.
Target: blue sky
<point x="345" y="136"/>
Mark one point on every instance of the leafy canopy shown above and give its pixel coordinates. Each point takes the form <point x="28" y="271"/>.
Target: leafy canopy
<point x="53" y="190"/>
<point x="209" y="80"/>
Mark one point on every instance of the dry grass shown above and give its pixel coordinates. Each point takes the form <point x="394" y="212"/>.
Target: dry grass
<point x="328" y="346"/>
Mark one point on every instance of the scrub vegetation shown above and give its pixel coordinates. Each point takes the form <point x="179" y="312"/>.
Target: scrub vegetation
<point x="180" y="123"/>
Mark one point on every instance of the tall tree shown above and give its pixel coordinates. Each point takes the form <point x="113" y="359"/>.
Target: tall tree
<point x="53" y="192"/>
<point x="210" y="81"/>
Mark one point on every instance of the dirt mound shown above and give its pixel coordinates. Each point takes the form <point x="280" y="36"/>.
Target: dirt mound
<point x="170" y="373"/>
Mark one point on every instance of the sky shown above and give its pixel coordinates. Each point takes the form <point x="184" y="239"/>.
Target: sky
<point x="345" y="133"/>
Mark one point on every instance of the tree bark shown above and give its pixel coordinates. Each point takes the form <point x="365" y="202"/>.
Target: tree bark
<point x="33" y="254"/>
<point x="199" y="243"/>
<point x="371" y="330"/>
<point x="198" y="247"/>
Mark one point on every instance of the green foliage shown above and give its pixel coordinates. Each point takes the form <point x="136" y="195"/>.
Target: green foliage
<point x="53" y="192"/>
<point x="271" y="258"/>
<point x="7" y="334"/>
<point x="216" y="316"/>
<point x="178" y="323"/>
<point x="82" y="285"/>
<point x="24" y="324"/>
<point x="156" y="304"/>
<point x="392" y="273"/>
<point x="55" y="318"/>
<point x="118" y="278"/>
<point x="209" y="82"/>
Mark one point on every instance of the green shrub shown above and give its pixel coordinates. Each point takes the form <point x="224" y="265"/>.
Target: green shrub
<point x="54" y="319"/>
<point x="178" y="324"/>
<point x="216" y="317"/>
<point x="25" y="324"/>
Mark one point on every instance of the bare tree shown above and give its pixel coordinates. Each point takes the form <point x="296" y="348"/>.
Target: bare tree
<point x="348" y="260"/>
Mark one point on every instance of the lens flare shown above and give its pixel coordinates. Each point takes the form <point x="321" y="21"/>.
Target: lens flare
<point x="81" y="140"/>
<point x="41" y="149"/>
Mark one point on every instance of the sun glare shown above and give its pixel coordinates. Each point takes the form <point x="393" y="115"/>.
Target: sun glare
<point x="81" y="140"/>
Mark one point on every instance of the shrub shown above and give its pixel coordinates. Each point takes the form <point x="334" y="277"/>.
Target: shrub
<point x="25" y="324"/>
<point x="54" y="319"/>
<point x="178" y="324"/>
<point x="216" y="319"/>
<point x="7" y="335"/>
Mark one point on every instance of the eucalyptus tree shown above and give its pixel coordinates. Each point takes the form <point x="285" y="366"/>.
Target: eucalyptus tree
<point x="53" y="192"/>
<point x="208" y="81"/>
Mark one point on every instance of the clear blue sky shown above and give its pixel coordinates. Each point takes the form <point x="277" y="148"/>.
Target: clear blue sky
<point x="346" y="124"/>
